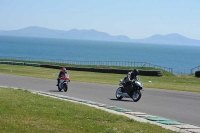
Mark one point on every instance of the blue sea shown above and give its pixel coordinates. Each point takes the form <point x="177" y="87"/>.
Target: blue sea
<point x="179" y="58"/>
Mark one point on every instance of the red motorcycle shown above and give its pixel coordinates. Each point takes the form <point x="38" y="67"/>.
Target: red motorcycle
<point x="63" y="84"/>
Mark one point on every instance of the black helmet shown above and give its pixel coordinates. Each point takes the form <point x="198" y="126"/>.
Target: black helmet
<point x="135" y="71"/>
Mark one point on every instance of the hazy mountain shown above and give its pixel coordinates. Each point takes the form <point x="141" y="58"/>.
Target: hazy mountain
<point x="168" y="39"/>
<point x="35" y="31"/>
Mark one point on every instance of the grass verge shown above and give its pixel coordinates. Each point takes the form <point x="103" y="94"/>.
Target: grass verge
<point x="22" y="111"/>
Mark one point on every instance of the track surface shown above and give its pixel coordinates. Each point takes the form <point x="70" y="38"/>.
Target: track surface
<point x="180" y="106"/>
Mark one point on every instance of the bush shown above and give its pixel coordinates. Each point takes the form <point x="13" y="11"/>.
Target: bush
<point x="197" y="73"/>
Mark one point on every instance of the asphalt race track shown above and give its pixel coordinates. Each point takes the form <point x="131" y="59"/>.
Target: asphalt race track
<point x="180" y="106"/>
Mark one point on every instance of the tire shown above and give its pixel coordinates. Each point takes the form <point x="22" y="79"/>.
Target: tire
<point x="65" y="87"/>
<point x="136" y="95"/>
<point x="119" y="97"/>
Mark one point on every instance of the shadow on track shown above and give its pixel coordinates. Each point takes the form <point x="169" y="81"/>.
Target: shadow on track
<point x="55" y="91"/>
<point x="121" y="100"/>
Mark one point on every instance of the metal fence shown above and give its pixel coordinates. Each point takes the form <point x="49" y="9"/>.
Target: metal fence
<point x="100" y="63"/>
<point x="181" y="71"/>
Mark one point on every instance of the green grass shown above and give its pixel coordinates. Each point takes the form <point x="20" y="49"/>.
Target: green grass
<point x="90" y="66"/>
<point x="24" y="112"/>
<point x="167" y="81"/>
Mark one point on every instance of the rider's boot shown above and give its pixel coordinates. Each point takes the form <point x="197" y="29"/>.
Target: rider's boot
<point x="58" y="82"/>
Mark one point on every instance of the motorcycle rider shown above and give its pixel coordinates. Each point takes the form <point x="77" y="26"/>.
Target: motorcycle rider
<point x="128" y="79"/>
<point x="62" y="72"/>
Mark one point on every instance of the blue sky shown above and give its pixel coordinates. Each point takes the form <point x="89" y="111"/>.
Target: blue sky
<point x="133" y="18"/>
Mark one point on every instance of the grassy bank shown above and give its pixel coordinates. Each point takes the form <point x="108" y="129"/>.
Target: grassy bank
<point x="167" y="81"/>
<point x="24" y="112"/>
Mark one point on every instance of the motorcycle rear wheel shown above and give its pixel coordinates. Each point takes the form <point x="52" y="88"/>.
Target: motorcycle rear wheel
<point x="136" y="95"/>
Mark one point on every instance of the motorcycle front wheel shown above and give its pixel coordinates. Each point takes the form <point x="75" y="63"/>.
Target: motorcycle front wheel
<point x="65" y="87"/>
<point x="118" y="91"/>
<point x="136" y="95"/>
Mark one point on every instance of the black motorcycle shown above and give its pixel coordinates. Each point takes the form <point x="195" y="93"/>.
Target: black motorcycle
<point x="134" y="92"/>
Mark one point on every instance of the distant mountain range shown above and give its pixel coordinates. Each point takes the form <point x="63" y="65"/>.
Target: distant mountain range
<point x="92" y="34"/>
<point x="168" y="39"/>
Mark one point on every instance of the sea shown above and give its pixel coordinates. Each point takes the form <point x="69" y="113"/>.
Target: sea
<point x="181" y="58"/>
